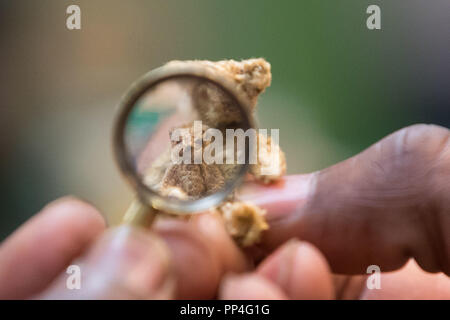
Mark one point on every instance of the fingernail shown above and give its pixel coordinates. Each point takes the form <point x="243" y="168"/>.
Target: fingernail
<point x="132" y="261"/>
<point x="230" y="283"/>
<point x="300" y="270"/>
<point x="281" y="198"/>
<point x="279" y="266"/>
<point x="249" y="286"/>
<point x="235" y="287"/>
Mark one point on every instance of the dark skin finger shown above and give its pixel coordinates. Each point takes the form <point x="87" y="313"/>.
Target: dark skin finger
<point x="385" y="205"/>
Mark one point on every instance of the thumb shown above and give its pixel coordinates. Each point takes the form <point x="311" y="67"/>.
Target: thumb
<point x="381" y="207"/>
<point x="125" y="263"/>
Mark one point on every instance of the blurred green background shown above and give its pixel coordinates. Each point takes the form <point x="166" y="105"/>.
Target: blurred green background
<point x="337" y="86"/>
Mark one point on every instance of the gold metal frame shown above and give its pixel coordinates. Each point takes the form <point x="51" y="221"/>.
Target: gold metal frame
<point x="148" y="202"/>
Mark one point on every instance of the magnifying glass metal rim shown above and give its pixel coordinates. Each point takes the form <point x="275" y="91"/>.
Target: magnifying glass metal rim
<point x="125" y="161"/>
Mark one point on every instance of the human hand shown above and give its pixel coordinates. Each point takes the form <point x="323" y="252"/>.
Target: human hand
<point x="366" y="210"/>
<point x="178" y="259"/>
<point x="382" y="207"/>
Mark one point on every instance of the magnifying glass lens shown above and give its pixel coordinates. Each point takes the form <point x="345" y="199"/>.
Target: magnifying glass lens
<point x="175" y="140"/>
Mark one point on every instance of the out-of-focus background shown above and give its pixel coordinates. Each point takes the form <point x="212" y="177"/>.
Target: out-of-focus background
<point x="337" y="86"/>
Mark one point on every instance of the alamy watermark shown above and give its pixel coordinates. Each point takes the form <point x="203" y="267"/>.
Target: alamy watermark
<point x="73" y="281"/>
<point x="73" y="21"/>
<point x="374" y="280"/>
<point x="195" y="145"/>
<point x="373" y="22"/>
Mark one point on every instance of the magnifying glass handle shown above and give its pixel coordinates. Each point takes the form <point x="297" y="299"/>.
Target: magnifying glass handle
<point x="139" y="214"/>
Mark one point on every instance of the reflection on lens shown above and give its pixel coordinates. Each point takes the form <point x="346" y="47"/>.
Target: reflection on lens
<point x="175" y="135"/>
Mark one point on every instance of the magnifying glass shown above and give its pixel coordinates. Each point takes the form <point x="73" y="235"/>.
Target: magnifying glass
<point x="168" y="115"/>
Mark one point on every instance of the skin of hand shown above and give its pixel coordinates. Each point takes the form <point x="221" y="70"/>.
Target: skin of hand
<point x="385" y="206"/>
<point x="178" y="259"/>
